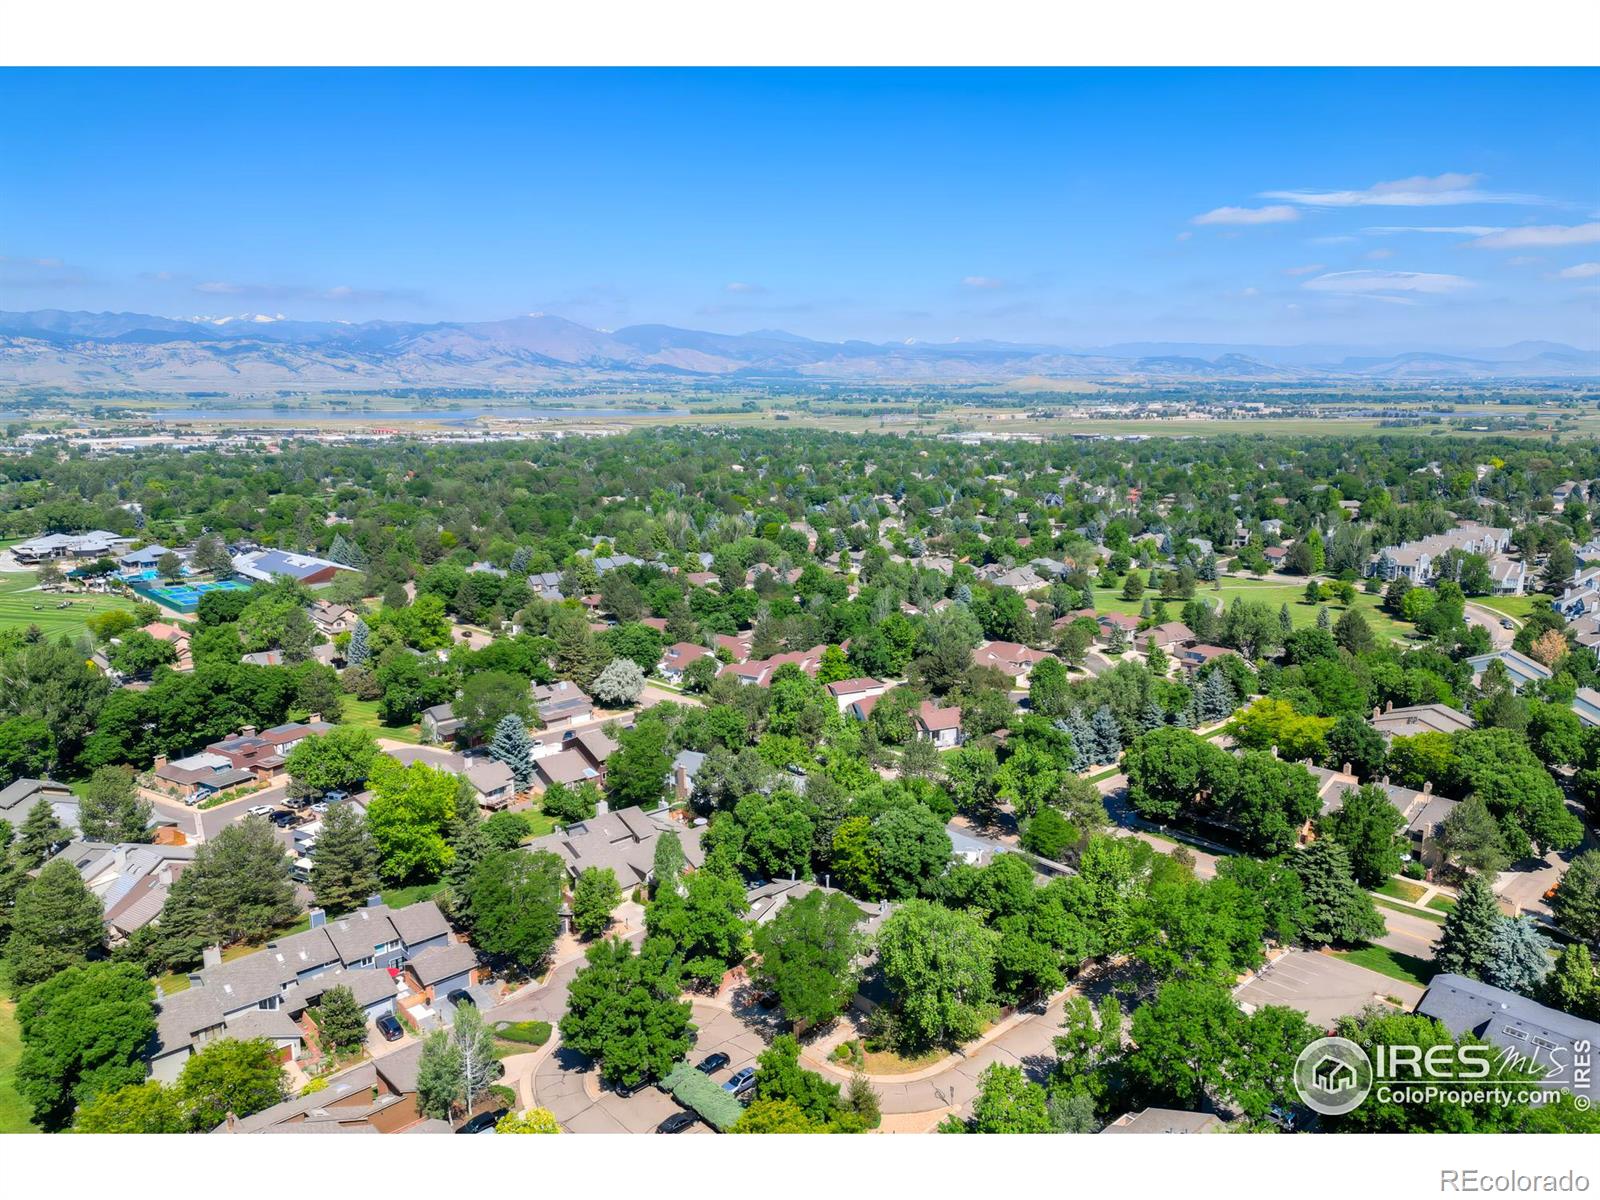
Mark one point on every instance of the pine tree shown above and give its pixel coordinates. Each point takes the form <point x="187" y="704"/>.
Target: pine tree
<point x="341" y="1019"/>
<point x="1107" y="735"/>
<point x="339" y="550"/>
<point x="1324" y="618"/>
<point x="1520" y="958"/>
<point x="1340" y="912"/>
<point x="41" y="833"/>
<point x="520" y="560"/>
<point x="344" y="864"/>
<point x="56" y="924"/>
<point x="512" y="746"/>
<point x="1217" y="699"/>
<point x="1467" y="944"/>
<point x="1152" y="717"/>
<point x="359" y="651"/>
<point x="112" y="809"/>
<point x="1083" y="740"/>
<point x="1285" y="621"/>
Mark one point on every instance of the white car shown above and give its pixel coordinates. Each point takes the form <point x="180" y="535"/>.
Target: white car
<point x="260" y="810"/>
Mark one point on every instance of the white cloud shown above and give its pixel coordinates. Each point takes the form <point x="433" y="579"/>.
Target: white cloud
<point x="1308" y="269"/>
<point x="985" y="283"/>
<point x="1374" y="283"/>
<point x="1381" y="253"/>
<point x="1230" y="215"/>
<point x="1457" y="230"/>
<point x="1416" y="192"/>
<point x="1580" y="271"/>
<point x="745" y="289"/>
<point x="1541" y="235"/>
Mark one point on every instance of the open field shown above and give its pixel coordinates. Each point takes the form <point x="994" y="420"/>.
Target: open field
<point x="365" y="714"/>
<point x="1273" y="593"/>
<point x="21" y="606"/>
<point x="1513" y="606"/>
<point x="13" y="1108"/>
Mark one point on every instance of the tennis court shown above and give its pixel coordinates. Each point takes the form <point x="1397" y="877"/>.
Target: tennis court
<point x="185" y="597"/>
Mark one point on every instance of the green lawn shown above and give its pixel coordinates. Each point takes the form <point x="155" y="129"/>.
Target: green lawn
<point x="14" y="1110"/>
<point x="1406" y="967"/>
<point x="20" y="607"/>
<point x="1425" y="914"/>
<point x="1275" y="594"/>
<point x="400" y="897"/>
<point x="365" y="713"/>
<point x="1401" y="889"/>
<point x="1443" y="903"/>
<point x="1513" y="606"/>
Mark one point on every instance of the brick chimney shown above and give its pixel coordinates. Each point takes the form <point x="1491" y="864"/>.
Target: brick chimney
<point x="1388" y="706"/>
<point x="248" y="731"/>
<point x="314" y="719"/>
<point x="161" y="761"/>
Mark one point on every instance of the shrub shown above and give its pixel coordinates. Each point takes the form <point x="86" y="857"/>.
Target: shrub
<point x="527" y="1033"/>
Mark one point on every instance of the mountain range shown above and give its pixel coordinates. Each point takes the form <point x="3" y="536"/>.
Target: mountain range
<point x="91" y="351"/>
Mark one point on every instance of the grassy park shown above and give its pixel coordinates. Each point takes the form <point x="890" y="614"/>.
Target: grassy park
<point x="1271" y="592"/>
<point x="13" y="1108"/>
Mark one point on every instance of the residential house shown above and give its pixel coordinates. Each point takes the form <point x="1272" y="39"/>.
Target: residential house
<point x="50" y="547"/>
<point x="684" y="769"/>
<point x="1522" y="669"/>
<point x="624" y="841"/>
<point x="494" y="783"/>
<point x="265" y="993"/>
<point x="941" y="726"/>
<point x="568" y="768"/>
<point x="377" y="1096"/>
<point x="440" y="723"/>
<point x="332" y="619"/>
<point x="1114" y="620"/>
<point x="176" y="636"/>
<point x="130" y="879"/>
<point x="1586" y="703"/>
<point x="1418" y="718"/>
<point x="1418" y="560"/>
<point x="1167" y="637"/>
<point x="1165" y="1120"/>
<point x="561" y="703"/>
<point x="1558" y="1043"/>
<point x="758" y="673"/>
<point x="1582" y="595"/>
<point x="440" y="970"/>
<point x="198" y="776"/>
<point x="1010" y="658"/>
<point x="677" y="657"/>
<point x="846" y="692"/>
<point x="18" y="797"/>
<point x="1192" y="658"/>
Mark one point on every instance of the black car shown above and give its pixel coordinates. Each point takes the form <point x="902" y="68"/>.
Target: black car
<point x="391" y="1029"/>
<point x="283" y="818"/>
<point x="676" y="1123"/>
<point x="461" y="996"/>
<point x="712" y="1063"/>
<point x="623" y="1090"/>
<point x="483" y="1122"/>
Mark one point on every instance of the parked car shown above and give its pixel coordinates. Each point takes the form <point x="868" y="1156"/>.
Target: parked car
<point x="484" y="1122"/>
<point x="624" y="1090"/>
<point x="712" y="1063"/>
<point x="676" y="1123"/>
<point x="742" y="1080"/>
<point x="334" y="797"/>
<point x="460" y="996"/>
<point x="1507" y="623"/>
<point x="391" y="1029"/>
<point x="320" y="807"/>
<point x="283" y="818"/>
<point x="260" y="810"/>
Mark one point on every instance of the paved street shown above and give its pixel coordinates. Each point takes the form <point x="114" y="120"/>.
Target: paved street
<point x="1499" y="636"/>
<point x="1323" y="987"/>
<point x="208" y="822"/>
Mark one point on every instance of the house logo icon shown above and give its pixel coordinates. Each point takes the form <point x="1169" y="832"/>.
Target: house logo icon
<point x="1332" y="1075"/>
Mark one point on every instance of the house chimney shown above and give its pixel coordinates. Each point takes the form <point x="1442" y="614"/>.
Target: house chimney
<point x="1347" y="770"/>
<point x="161" y="761"/>
<point x="248" y="731"/>
<point x="374" y="901"/>
<point x="319" y="917"/>
<point x="1427" y="788"/>
<point x="314" y="719"/>
<point x="1388" y="706"/>
<point x="1376" y="713"/>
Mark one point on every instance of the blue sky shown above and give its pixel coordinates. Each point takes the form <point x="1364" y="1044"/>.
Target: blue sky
<point x="1078" y="207"/>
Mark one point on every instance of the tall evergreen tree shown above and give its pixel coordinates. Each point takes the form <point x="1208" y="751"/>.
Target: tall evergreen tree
<point x="519" y="561"/>
<point x="344" y="863"/>
<point x="112" y="809"/>
<point x="1572" y="985"/>
<point x="1324" y="617"/>
<point x="1520" y="958"/>
<point x="1466" y="945"/>
<point x="359" y="651"/>
<point x="41" y="834"/>
<point x="1285" y="620"/>
<point x="56" y="924"/>
<point x="1339" y="912"/>
<point x="237" y="888"/>
<point x="1107" y="735"/>
<point x="512" y="746"/>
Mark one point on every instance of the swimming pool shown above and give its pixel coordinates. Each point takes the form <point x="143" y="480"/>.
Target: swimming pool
<point x="185" y="597"/>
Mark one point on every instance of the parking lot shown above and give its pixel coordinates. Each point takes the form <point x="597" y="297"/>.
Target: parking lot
<point x="566" y="1084"/>
<point x="1323" y="987"/>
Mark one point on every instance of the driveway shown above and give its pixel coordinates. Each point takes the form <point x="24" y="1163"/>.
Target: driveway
<point x="207" y="823"/>
<point x="1499" y="636"/>
<point x="568" y="1084"/>
<point x="1323" y="987"/>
